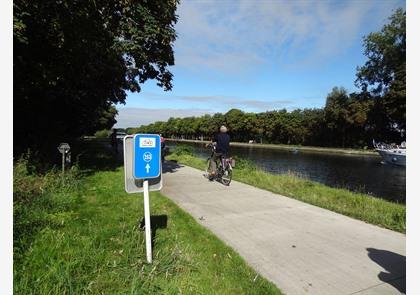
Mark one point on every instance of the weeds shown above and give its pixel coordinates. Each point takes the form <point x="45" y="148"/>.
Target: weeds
<point x="183" y="150"/>
<point x="39" y="201"/>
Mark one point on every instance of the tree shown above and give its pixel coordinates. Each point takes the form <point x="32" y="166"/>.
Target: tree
<point x="218" y="119"/>
<point x="74" y="59"/>
<point x="383" y="74"/>
<point x="204" y="127"/>
<point x="235" y="121"/>
<point x="336" y="114"/>
<point x="107" y="119"/>
<point x="313" y="123"/>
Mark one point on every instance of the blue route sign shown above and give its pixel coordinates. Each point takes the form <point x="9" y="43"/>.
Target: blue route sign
<point x="146" y="156"/>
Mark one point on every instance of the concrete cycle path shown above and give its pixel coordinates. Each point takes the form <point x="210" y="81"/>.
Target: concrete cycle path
<point x="301" y="248"/>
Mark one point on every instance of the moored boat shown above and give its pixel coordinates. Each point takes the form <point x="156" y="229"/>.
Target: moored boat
<point x="392" y="154"/>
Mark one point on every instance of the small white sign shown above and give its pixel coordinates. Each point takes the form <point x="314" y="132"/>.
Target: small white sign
<point x="63" y="147"/>
<point x="147" y="142"/>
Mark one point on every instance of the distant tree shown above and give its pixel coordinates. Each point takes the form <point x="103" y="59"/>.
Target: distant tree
<point x="268" y="124"/>
<point x="313" y="125"/>
<point x="336" y="115"/>
<point x="218" y="119"/>
<point x="235" y="119"/>
<point x="204" y="126"/>
<point x="383" y="75"/>
<point x="74" y="59"/>
<point x="188" y="128"/>
<point x="252" y="129"/>
<point x="359" y="132"/>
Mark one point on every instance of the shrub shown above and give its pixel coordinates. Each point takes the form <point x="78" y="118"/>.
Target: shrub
<point x="103" y="133"/>
<point x="37" y="197"/>
<point x="244" y="164"/>
<point x="183" y="150"/>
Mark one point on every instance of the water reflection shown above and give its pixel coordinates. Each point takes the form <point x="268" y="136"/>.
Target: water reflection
<point x="355" y="172"/>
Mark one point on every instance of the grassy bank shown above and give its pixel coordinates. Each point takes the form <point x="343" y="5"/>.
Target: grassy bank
<point x="314" y="149"/>
<point x="360" y="206"/>
<point x="84" y="237"/>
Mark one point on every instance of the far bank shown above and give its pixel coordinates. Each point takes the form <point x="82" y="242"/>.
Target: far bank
<point x="292" y="147"/>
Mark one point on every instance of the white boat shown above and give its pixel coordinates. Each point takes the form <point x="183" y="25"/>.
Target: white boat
<point x="392" y="154"/>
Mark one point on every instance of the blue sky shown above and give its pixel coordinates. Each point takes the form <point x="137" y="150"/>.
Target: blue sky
<point x="259" y="56"/>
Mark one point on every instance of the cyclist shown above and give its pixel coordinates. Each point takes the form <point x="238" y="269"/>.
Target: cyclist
<point x="222" y="142"/>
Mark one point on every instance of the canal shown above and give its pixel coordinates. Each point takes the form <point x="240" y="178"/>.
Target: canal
<point x="360" y="173"/>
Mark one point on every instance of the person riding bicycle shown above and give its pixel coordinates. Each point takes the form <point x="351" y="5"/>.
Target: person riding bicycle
<point x="222" y="142"/>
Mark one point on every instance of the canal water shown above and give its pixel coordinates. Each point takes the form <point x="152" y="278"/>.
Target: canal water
<point x="360" y="173"/>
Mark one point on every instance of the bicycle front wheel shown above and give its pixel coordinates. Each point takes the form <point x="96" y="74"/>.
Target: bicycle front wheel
<point x="227" y="176"/>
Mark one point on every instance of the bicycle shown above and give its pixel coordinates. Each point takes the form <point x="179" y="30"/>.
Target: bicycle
<point x="223" y="170"/>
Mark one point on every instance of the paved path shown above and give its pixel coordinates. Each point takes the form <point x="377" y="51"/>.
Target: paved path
<point x="301" y="248"/>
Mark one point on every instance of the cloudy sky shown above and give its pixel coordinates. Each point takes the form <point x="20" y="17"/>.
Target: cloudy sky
<point x="258" y="56"/>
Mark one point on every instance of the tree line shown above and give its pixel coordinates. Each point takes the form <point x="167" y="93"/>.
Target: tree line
<point x="346" y="121"/>
<point x="376" y="111"/>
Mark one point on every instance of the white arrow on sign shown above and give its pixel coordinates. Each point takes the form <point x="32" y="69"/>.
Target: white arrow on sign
<point x="147" y="168"/>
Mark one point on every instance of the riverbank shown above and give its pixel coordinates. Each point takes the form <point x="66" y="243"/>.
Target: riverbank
<point x="360" y="206"/>
<point x="84" y="237"/>
<point x="292" y="147"/>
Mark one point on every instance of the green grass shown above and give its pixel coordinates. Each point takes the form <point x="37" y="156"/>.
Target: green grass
<point x="357" y="205"/>
<point x="91" y="243"/>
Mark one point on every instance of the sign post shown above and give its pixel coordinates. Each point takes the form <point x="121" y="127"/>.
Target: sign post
<point x="131" y="184"/>
<point x="147" y="222"/>
<point x="146" y="165"/>
<point x="63" y="148"/>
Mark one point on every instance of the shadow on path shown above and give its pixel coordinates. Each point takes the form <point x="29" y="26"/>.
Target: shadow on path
<point x="170" y="167"/>
<point x="394" y="265"/>
<point x="156" y="222"/>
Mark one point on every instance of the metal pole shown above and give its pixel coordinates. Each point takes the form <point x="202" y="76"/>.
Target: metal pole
<point x="147" y="222"/>
<point x="62" y="175"/>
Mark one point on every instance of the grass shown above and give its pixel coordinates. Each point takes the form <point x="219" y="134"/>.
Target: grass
<point x="83" y="237"/>
<point x="357" y="205"/>
<point x="38" y="199"/>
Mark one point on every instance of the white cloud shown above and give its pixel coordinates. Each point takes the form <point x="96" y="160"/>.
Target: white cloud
<point x="235" y="36"/>
<point x="134" y="117"/>
<point x="225" y="102"/>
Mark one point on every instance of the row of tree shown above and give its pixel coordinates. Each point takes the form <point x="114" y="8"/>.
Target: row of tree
<point x="346" y="121"/>
<point x="377" y="111"/>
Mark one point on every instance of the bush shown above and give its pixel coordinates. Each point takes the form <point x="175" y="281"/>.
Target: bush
<point x="130" y="131"/>
<point x="244" y="164"/>
<point x="37" y="198"/>
<point x="183" y="150"/>
<point x="103" y="133"/>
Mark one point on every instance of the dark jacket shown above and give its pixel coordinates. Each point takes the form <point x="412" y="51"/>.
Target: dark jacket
<point x="223" y="140"/>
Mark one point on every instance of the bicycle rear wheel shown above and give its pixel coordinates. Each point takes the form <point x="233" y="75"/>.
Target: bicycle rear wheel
<point x="226" y="177"/>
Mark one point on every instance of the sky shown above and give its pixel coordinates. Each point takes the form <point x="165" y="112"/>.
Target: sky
<point x="258" y="56"/>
